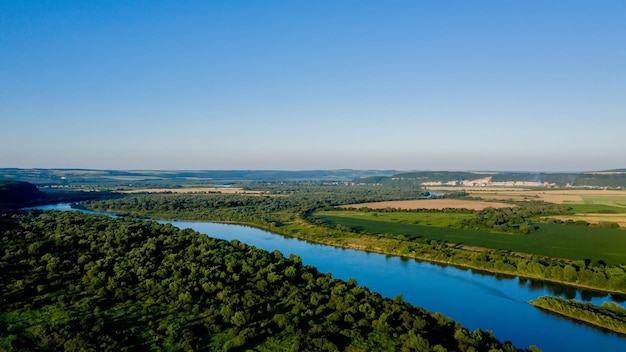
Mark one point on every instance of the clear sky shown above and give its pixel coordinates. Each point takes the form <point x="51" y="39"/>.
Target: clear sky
<point x="532" y="85"/>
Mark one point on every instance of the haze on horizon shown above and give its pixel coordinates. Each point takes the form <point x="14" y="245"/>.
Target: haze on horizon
<point x="405" y="85"/>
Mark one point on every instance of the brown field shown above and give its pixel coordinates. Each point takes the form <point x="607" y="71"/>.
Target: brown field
<point x="557" y="196"/>
<point x="229" y="190"/>
<point x="582" y="196"/>
<point x="430" y="204"/>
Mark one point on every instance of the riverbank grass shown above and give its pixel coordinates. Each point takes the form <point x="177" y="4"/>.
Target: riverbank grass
<point x="609" y="316"/>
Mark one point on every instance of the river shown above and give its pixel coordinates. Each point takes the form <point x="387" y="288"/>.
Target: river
<point x="474" y="299"/>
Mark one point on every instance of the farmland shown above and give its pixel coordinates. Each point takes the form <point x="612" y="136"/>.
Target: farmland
<point x="559" y="196"/>
<point x="438" y="219"/>
<point x="430" y="204"/>
<point x="572" y="239"/>
<point x="553" y="240"/>
<point x="594" y="206"/>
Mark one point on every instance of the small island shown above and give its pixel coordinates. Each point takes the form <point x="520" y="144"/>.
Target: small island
<point x="609" y="316"/>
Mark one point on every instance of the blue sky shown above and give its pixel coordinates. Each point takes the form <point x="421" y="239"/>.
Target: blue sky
<point x="408" y="85"/>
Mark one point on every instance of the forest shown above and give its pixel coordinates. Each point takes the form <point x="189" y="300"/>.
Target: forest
<point x="73" y="281"/>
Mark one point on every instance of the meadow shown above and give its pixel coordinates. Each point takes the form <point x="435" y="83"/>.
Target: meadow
<point x="429" y="204"/>
<point x="438" y="219"/>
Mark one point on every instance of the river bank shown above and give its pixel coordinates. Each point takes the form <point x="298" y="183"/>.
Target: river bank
<point x="390" y="246"/>
<point x="429" y="251"/>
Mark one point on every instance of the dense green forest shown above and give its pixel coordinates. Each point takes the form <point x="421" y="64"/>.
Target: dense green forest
<point x="609" y="316"/>
<point x="72" y="281"/>
<point x="291" y="213"/>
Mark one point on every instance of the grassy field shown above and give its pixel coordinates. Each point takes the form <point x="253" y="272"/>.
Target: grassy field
<point x="609" y="200"/>
<point x="555" y="240"/>
<point x="428" y="219"/>
<point x="596" y="219"/>
<point x="597" y="208"/>
<point x="430" y="204"/>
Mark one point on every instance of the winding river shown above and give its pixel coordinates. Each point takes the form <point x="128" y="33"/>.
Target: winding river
<point x="475" y="299"/>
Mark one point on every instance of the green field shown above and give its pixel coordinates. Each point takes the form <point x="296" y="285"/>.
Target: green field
<point x="430" y="219"/>
<point x="596" y="208"/>
<point x="554" y="240"/>
<point x="609" y="200"/>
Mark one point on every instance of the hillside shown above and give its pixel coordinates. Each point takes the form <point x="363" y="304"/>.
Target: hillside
<point x="15" y="193"/>
<point x="610" y="179"/>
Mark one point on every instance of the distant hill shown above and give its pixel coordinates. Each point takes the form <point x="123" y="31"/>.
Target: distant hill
<point x="86" y="177"/>
<point x="614" y="170"/>
<point x="613" y="178"/>
<point x="16" y="193"/>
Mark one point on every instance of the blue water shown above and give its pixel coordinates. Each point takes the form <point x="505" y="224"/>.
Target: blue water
<point x="474" y="299"/>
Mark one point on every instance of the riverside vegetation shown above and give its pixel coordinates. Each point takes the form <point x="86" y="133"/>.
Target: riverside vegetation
<point x="609" y="316"/>
<point x="73" y="281"/>
<point x="290" y="210"/>
<point x="297" y="211"/>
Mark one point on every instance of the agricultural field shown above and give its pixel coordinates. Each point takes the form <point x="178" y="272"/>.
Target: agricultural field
<point x="594" y="206"/>
<point x="596" y="219"/>
<point x="560" y="196"/>
<point x="426" y="218"/>
<point x="554" y="240"/>
<point x="430" y="204"/>
<point x="573" y="241"/>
